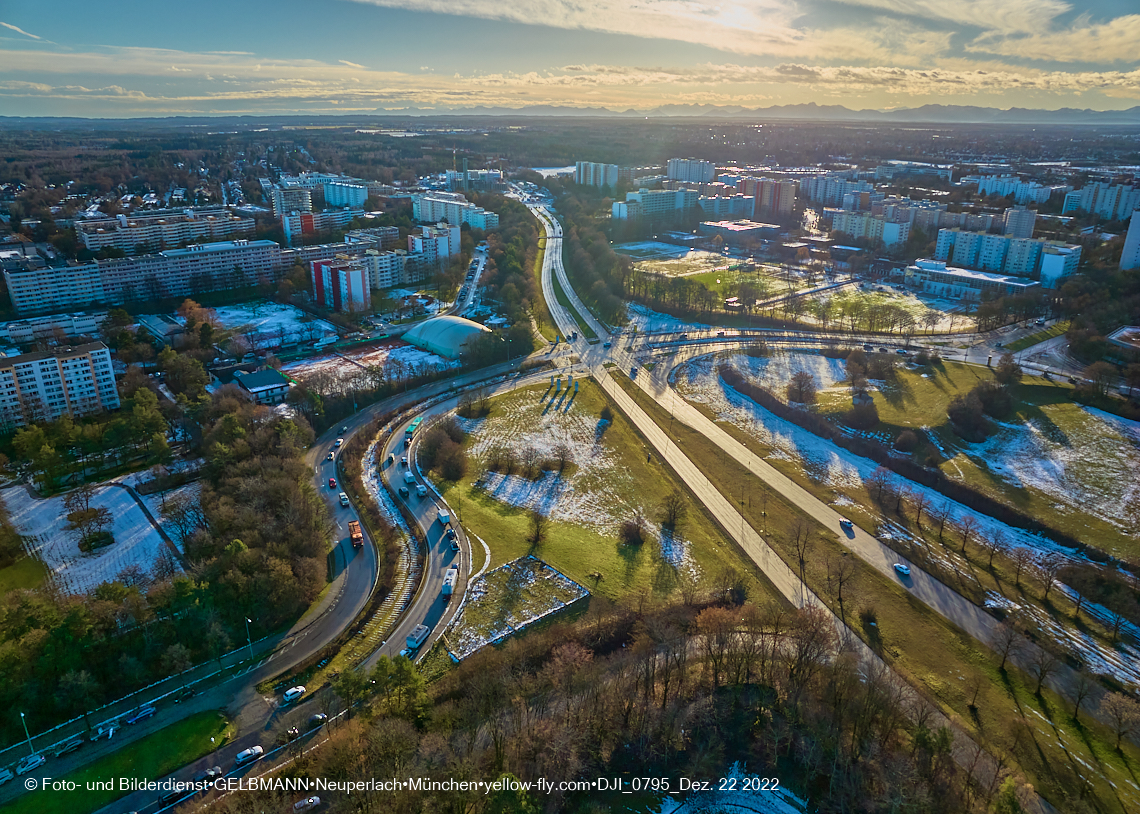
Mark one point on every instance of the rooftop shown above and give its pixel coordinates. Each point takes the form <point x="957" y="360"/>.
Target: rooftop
<point x="55" y="353"/>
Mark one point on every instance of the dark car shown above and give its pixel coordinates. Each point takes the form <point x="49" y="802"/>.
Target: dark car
<point x="173" y="796"/>
<point x="293" y="733"/>
<point x="207" y="775"/>
<point x="404" y="492"/>
<point x="142" y="714"/>
<point x="320" y="719"/>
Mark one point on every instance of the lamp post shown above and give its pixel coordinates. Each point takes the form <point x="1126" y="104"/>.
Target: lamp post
<point x="248" y="639"/>
<point x="26" y="735"/>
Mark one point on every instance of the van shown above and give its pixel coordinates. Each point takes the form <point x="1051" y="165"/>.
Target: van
<point x="409" y="478"/>
<point x="421" y="490"/>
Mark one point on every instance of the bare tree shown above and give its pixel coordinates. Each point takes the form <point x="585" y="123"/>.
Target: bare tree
<point x="940" y="514"/>
<point x="1022" y="557"/>
<point x="878" y="481"/>
<point x="1006" y="642"/>
<point x="1050" y="566"/>
<point x="840" y="573"/>
<point x="672" y="510"/>
<point x="562" y="456"/>
<point x="539" y="526"/>
<point x="1121" y="713"/>
<point x="1081" y="691"/>
<point x="967" y="525"/>
<point x="992" y="543"/>
<point x="1042" y="665"/>
<point x="920" y="500"/>
<point x="800" y="535"/>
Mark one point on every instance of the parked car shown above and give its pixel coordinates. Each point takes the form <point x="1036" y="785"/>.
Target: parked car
<point x="30" y="764"/>
<point x="845" y="523"/>
<point x="141" y="714"/>
<point x="868" y="347"/>
<point x="332" y="483"/>
<point x="208" y="775"/>
<point x="174" y="796"/>
<point x="320" y="719"/>
<point x="248" y="755"/>
<point x="902" y="569"/>
<point x="5" y="775"/>
<point x="901" y="351"/>
<point x="307" y="804"/>
<point x="68" y="746"/>
<point x="344" y="429"/>
<point x="292" y="694"/>
<point x="104" y="730"/>
<point x="184" y="693"/>
<point x="607" y="344"/>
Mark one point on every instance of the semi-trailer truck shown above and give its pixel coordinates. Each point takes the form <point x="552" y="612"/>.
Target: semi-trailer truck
<point x="355" y="533"/>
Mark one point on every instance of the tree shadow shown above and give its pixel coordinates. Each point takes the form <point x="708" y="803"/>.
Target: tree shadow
<point x="632" y="557"/>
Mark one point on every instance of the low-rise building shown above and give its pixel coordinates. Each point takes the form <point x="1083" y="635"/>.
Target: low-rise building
<point x="267" y="386"/>
<point x="42" y="386"/>
<point x="934" y="277"/>
<point x="736" y="232"/>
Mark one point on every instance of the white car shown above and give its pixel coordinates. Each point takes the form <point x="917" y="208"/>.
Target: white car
<point x="248" y="755"/>
<point x="292" y="694"/>
<point x="30" y="764"/>
<point x="5" y="775"/>
<point x="902" y="569"/>
<point x="338" y="442"/>
<point x="307" y="804"/>
<point x="343" y="499"/>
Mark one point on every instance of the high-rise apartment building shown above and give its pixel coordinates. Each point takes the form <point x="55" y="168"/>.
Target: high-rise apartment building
<point x="592" y="174"/>
<point x="42" y="386"/>
<point x="1108" y="201"/>
<point x="775" y="198"/>
<point x="655" y="203"/>
<point x="441" y="241"/>
<point x="691" y="170"/>
<point x="290" y="199"/>
<point x="296" y="224"/>
<point x="1058" y="261"/>
<point x="1019" y="221"/>
<point x="830" y="188"/>
<point x="1022" y="257"/>
<point x="341" y="284"/>
<point x="345" y="193"/>
<point x="158" y="230"/>
<point x="875" y="229"/>
<point x="1130" y="257"/>
<point x="453" y="208"/>
<point x="1023" y="192"/>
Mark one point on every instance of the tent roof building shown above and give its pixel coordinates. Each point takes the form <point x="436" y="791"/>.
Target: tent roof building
<point x="444" y="335"/>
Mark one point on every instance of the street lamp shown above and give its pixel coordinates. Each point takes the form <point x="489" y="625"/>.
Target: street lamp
<point x="29" y="737"/>
<point x="248" y="639"/>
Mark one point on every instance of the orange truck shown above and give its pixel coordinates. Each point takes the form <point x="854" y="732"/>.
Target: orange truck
<point x="355" y="533"/>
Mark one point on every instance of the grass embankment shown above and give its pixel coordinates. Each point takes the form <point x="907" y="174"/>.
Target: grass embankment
<point x="631" y="478"/>
<point x="540" y="311"/>
<point x="26" y="573"/>
<point x="915" y="402"/>
<point x="999" y="707"/>
<point x="1036" y="338"/>
<point x="150" y="758"/>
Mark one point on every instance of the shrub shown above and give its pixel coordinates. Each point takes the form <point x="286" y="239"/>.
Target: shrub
<point x="802" y="388"/>
<point x="607" y="414"/>
<point x="907" y="441"/>
<point x="968" y="418"/>
<point x="862" y="416"/>
<point x="632" y="532"/>
<point x="996" y="400"/>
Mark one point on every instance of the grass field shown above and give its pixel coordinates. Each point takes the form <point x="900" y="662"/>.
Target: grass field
<point x="726" y="281"/>
<point x="614" y="477"/>
<point x="1033" y="339"/>
<point x="1051" y="747"/>
<point x="24" y="573"/>
<point x="150" y="758"/>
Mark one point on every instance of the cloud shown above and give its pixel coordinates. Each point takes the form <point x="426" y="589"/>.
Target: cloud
<point x="351" y="64"/>
<point x="1117" y="40"/>
<point x="20" y="31"/>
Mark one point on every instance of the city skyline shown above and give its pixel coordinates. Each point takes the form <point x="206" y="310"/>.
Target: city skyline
<point x="354" y="56"/>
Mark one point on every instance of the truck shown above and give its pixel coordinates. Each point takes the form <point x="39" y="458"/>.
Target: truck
<point x="444" y="517"/>
<point x="355" y="533"/>
<point x="418" y="636"/>
<point x="449" y="580"/>
<point x="409" y="478"/>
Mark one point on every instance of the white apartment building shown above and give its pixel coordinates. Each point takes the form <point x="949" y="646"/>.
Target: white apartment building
<point x="936" y="278"/>
<point x="440" y="241"/>
<point x="1058" y="261"/>
<point x="592" y="174"/>
<point x="158" y="230"/>
<point x="296" y="224"/>
<point x="374" y="237"/>
<point x="830" y="188"/>
<point x="1023" y="192"/>
<point x="25" y="331"/>
<point x="341" y="284"/>
<point x="453" y="208"/>
<point x="290" y="199"/>
<point x="1019" y="221"/>
<point x="690" y="170"/>
<point x="874" y="229"/>
<point x="42" y="386"/>
<point x="654" y="203"/>
<point x="1013" y="256"/>
<point x="345" y="193"/>
<point x="1108" y="201"/>
<point x="1130" y="257"/>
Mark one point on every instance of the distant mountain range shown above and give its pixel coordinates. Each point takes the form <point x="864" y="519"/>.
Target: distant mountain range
<point x="927" y="114"/>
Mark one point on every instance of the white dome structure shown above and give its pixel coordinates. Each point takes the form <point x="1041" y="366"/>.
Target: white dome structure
<point x="444" y="335"/>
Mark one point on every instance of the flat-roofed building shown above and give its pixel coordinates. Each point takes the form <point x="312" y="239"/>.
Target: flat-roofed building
<point x="934" y="277"/>
<point x="42" y="386"/>
<point x="154" y="231"/>
<point x="267" y="386"/>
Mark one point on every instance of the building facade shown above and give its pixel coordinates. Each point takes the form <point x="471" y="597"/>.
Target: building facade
<point x="341" y="284"/>
<point x="593" y="174"/>
<point x="875" y="229"/>
<point x="345" y="193"/>
<point x="453" y="208"/>
<point x="1108" y="201"/>
<point x="1019" y="221"/>
<point x="656" y="203"/>
<point x="934" y="277"/>
<point x="690" y="170"/>
<point x="1021" y="257"/>
<point x="155" y="231"/>
<point x="296" y="224"/>
<point x="38" y="387"/>
<point x="290" y="199"/>
<point x="1130" y="257"/>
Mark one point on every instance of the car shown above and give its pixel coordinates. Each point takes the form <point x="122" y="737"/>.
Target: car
<point x="68" y="746"/>
<point x="320" y="719"/>
<point x="344" y="429"/>
<point x="332" y="483"/>
<point x="174" y="796"/>
<point x="454" y="544"/>
<point x="868" y="347"/>
<point x="307" y="804"/>
<point x="248" y="755"/>
<point x="405" y="652"/>
<point x="404" y="492"/>
<point x="391" y="459"/>
<point x="5" y="775"/>
<point x="141" y="714"/>
<point x="684" y="336"/>
<point x="104" y="730"/>
<point x="208" y="775"/>
<point x="1039" y="322"/>
<point x="901" y="351"/>
<point x="884" y="350"/>
<point x="292" y="733"/>
<point x="292" y="694"/>
<point x="607" y="344"/>
<point x="331" y="457"/>
<point x="421" y="490"/>
<point x="184" y="693"/>
<point x="845" y="523"/>
<point x="720" y="333"/>
<point x="633" y="371"/>
<point x="404" y="460"/>
<point x="338" y="442"/>
<point x="902" y="569"/>
<point x="30" y="763"/>
<point x="343" y="499"/>
<point x="449" y="534"/>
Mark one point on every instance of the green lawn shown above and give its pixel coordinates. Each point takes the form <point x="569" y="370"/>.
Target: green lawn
<point x="932" y="653"/>
<point x="578" y="549"/>
<point x="151" y="758"/>
<point x="26" y="572"/>
<point x="1040" y="336"/>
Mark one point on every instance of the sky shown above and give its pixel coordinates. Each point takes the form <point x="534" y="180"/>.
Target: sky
<point x="224" y="57"/>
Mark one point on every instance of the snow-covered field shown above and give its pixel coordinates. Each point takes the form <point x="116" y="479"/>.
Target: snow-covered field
<point x="272" y="324"/>
<point x="1084" y="459"/>
<point x="336" y="371"/>
<point x="507" y="599"/>
<point x="842" y="470"/>
<point x="644" y="249"/>
<point x="137" y="542"/>
<point x="647" y="321"/>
